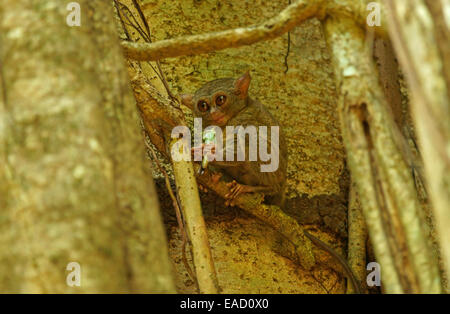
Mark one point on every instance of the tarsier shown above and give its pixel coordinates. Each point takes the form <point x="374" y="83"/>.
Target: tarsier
<point x="225" y="102"/>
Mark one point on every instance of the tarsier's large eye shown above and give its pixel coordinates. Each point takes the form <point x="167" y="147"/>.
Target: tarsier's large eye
<point x="220" y="100"/>
<point x="203" y="106"/>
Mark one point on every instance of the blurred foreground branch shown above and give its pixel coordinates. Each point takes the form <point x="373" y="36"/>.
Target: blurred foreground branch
<point x="420" y="42"/>
<point x="74" y="181"/>
<point x="380" y="167"/>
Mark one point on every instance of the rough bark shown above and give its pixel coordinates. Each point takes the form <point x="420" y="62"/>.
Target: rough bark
<point x="379" y="168"/>
<point x="412" y="29"/>
<point x="75" y="185"/>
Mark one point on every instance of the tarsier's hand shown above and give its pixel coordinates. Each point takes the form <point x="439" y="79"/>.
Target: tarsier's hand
<point x="236" y="189"/>
<point x="203" y="149"/>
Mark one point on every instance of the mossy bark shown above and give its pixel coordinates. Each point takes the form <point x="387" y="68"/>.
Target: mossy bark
<point x="74" y="182"/>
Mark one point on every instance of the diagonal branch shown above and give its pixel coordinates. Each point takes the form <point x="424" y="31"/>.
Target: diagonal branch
<point x="274" y="216"/>
<point x="287" y="19"/>
<point x="159" y="118"/>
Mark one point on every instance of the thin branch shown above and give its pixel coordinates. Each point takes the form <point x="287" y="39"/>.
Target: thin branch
<point x="136" y="24"/>
<point x="159" y="119"/>
<point x="119" y="17"/>
<point x="195" y="223"/>
<point x="142" y="16"/>
<point x="287" y="53"/>
<point x="357" y="236"/>
<point x="288" y="49"/>
<point x="177" y="211"/>
<point x="287" y="19"/>
<point x="148" y="38"/>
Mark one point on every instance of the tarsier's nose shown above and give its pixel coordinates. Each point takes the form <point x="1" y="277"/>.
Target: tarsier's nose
<point x="214" y="112"/>
<point x="217" y="116"/>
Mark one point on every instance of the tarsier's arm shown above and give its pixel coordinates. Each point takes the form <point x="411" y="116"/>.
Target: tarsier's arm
<point x="248" y="173"/>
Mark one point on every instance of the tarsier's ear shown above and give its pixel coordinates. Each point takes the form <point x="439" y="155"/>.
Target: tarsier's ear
<point x="186" y="99"/>
<point x="241" y="85"/>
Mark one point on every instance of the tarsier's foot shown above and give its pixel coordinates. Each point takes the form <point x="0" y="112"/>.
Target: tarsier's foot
<point x="215" y="177"/>
<point x="236" y="189"/>
<point x="202" y="188"/>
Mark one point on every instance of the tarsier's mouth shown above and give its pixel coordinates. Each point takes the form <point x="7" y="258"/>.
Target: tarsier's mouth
<point x="220" y="119"/>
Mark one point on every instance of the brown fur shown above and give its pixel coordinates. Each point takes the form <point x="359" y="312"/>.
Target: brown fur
<point x="241" y="110"/>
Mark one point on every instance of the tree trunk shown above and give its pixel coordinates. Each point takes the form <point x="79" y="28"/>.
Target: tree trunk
<point x="74" y="182"/>
<point x="419" y="38"/>
<point x="379" y="167"/>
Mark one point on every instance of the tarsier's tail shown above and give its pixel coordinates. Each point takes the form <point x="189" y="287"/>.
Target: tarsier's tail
<point x="347" y="270"/>
<point x="279" y="200"/>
